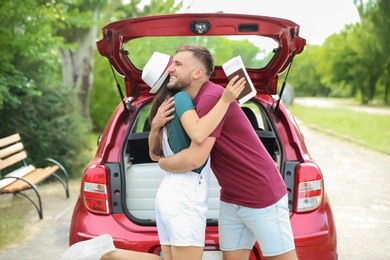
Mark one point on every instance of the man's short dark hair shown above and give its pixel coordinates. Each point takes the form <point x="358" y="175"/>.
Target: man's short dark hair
<point x="202" y="54"/>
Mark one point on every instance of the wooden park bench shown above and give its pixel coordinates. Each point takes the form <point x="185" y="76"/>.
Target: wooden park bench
<point x="17" y="176"/>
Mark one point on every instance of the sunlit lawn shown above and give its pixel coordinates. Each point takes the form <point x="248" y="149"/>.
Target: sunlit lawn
<point x="12" y="224"/>
<point x="372" y="130"/>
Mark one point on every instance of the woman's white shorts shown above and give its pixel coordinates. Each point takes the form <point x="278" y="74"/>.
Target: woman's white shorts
<point x="181" y="206"/>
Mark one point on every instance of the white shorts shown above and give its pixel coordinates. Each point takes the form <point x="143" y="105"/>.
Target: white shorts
<point x="240" y="227"/>
<point x="181" y="206"/>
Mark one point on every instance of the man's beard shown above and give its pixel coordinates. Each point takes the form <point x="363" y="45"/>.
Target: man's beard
<point x="181" y="84"/>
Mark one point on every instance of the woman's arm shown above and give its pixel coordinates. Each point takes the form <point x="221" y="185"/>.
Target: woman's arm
<point x="154" y="136"/>
<point x="198" y="129"/>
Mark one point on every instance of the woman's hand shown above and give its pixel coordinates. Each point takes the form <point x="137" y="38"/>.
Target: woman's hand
<point x="164" y="113"/>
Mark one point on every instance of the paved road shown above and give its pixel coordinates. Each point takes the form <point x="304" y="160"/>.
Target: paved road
<point x="357" y="181"/>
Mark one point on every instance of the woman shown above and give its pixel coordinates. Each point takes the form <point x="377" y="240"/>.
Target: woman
<point x="181" y="201"/>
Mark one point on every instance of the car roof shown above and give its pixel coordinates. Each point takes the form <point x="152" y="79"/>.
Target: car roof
<point x="117" y="35"/>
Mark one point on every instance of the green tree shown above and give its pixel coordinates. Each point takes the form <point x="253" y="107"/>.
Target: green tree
<point x="341" y="63"/>
<point x="50" y="126"/>
<point x="25" y="50"/>
<point x="104" y="92"/>
<point x="34" y="101"/>
<point x="77" y="24"/>
<point x="346" y="57"/>
<point x="355" y="62"/>
<point x="304" y="74"/>
<point x="375" y="17"/>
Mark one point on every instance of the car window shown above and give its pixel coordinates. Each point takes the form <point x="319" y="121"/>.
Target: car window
<point x="251" y="110"/>
<point x="255" y="116"/>
<point x="256" y="51"/>
<point x="141" y="123"/>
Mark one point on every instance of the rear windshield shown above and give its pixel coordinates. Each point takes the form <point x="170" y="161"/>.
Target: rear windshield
<point x="256" y="51"/>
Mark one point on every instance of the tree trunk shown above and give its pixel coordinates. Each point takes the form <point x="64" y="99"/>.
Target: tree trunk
<point x="386" y="73"/>
<point x="372" y="88"/>
<point x="77" y="66"/>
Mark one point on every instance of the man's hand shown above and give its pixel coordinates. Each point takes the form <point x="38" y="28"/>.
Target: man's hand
<point x="233" y="89"/>
<point x="164" y="113"/>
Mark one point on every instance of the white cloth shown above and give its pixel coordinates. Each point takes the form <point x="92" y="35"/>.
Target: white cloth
<point x="181" y="205"/>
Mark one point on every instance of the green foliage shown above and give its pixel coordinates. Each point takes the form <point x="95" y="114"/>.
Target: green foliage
<point x="353" y="63"/>
<point x="33" y="101"/>
<point x="104" y="96"/>
<point x="352" y="52"/>
<point x="74" y="18"/>
<point x="304" y="75"/>
<point x="375" y="17"/>
<point x="154" y="7"/>
<point x="26" y="47"/>
<point x="50" y="126"/>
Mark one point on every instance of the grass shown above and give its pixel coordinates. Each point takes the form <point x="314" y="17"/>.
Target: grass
<point x="12" y="224"/>
<point x="371" y="130"/>
<point x="19" y="218"/>
<point x="13" y="218"/>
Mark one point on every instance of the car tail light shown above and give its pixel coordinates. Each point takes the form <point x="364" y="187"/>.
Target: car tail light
<point x="95" y="190"/>
<point x="309" y="189"/>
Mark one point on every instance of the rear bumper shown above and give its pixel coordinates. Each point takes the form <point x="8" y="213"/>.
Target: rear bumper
<point x="314" y="232"/>
<point x="86" y="225"/>
<point x="127" y="235"/>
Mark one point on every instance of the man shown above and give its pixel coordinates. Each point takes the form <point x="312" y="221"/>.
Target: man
<point x="253" y="202"/>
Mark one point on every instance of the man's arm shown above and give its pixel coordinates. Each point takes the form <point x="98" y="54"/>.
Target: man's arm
<point x="198" y="129"/>
<point x="188" y="159"/>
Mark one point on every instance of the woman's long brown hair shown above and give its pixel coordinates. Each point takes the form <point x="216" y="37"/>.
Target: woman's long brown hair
<point x="162" y="94"/>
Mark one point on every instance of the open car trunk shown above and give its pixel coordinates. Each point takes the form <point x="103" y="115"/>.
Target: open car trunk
<point x="143" y="176"/>
<point x="270" y="44"/>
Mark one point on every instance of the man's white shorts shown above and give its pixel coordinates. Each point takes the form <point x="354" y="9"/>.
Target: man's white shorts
<point x="181" y="206"/>
<point x="240" y="227"/>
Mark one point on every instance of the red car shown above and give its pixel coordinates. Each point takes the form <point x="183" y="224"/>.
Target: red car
<point x="119" y="184"/>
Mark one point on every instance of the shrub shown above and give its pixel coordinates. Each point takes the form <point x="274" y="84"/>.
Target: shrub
<point x="50" y="125"/>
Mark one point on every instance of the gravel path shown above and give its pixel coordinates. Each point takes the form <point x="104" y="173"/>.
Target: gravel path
<point x="358" y="184"/>
<point x="48" y="238"/>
